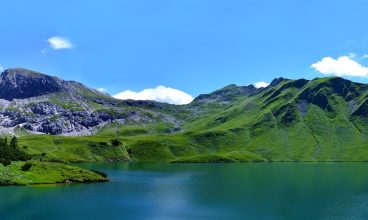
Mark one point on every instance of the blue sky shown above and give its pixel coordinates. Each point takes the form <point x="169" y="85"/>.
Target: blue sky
<point x="195" y="46"/>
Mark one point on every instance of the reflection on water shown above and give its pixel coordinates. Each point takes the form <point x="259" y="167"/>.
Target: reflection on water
<point x="200" y="191"/>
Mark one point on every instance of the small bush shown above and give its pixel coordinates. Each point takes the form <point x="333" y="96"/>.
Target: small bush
<point x="27" y="166"/>
<point x="103" y="144"/>
<point x="5" y="162"/>
<point x="115" y="142"/>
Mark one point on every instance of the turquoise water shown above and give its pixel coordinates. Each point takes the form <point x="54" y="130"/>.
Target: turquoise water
<point x="200" y="191"/>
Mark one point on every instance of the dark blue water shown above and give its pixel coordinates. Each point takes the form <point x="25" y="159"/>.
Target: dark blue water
<point x="200" y="191"/>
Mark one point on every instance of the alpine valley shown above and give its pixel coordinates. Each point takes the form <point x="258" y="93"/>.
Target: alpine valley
<point x="324" y="119"/>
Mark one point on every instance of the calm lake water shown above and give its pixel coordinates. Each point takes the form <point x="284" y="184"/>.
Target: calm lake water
<point x="200" y="191"/>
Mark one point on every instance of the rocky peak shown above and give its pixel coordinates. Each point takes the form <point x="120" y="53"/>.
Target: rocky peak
<point x="276" y="81"/>
<point x="226" y="94"/>
<point x="19" y="83"/>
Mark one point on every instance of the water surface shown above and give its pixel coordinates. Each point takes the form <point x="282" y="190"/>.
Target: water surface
<point x="200" y="191"/>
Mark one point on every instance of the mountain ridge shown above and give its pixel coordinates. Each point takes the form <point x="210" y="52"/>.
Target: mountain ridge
<point x="323" y="119"/>
<point x="40" y="103"/>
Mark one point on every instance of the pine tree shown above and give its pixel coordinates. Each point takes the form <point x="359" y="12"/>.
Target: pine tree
<point x="10" y="151"/>
<point x="14" y="142"/>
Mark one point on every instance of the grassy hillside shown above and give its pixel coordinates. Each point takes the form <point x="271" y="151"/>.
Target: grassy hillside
<point x="291" y="120"/>
<point x="18" y="168"/>
<point x="72" y="149"/>
<point x="35" y="172"/>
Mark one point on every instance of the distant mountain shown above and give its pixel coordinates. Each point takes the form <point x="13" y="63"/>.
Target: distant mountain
<point x="19" y="83"/>
<point x="38" y="103"/>
<point x="22" y="83"/>
<point x="324" y="119"/>
<point x="226" y="94"/>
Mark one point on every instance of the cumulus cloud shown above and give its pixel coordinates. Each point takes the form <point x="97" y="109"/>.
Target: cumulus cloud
<point x="58" y="43"/>
<point x="261" y="84"/>
<point x="102" y="90"/>
<point x="342" y="66"/>
<point x="365" y="56"/>
<point x="160" y="94"/>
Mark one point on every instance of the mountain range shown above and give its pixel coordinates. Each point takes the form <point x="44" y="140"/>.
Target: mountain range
<point x="324" y="119"/>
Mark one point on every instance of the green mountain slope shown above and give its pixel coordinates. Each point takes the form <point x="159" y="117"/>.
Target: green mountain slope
<point x="293" y="120"/>
<point x="324" y="119"/>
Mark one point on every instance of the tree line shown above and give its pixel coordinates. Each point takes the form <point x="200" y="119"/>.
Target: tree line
<point x="9" y="151"/>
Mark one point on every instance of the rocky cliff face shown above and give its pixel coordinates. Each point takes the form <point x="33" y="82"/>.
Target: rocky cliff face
<point x="37" y="103"/>
<point x="22" y="83"/>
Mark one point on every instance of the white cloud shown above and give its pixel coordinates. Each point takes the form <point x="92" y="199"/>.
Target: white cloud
<point x="1" y="68"/>
<point x="352" y="55"/>
<point x="261" y="84"/>
<point x="58" y="43"/>
<point x="365" y="56"/>
<point x="160" y="94"/>
<point x="102" y="90"/>
<point x="342" y="66"/>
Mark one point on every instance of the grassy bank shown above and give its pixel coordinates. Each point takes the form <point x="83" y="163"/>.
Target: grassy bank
<point x="36" y="172"/>
<point x="73" y="149"/>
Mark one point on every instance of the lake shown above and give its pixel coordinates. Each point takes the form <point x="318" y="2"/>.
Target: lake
<point x="200" y="191"/>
